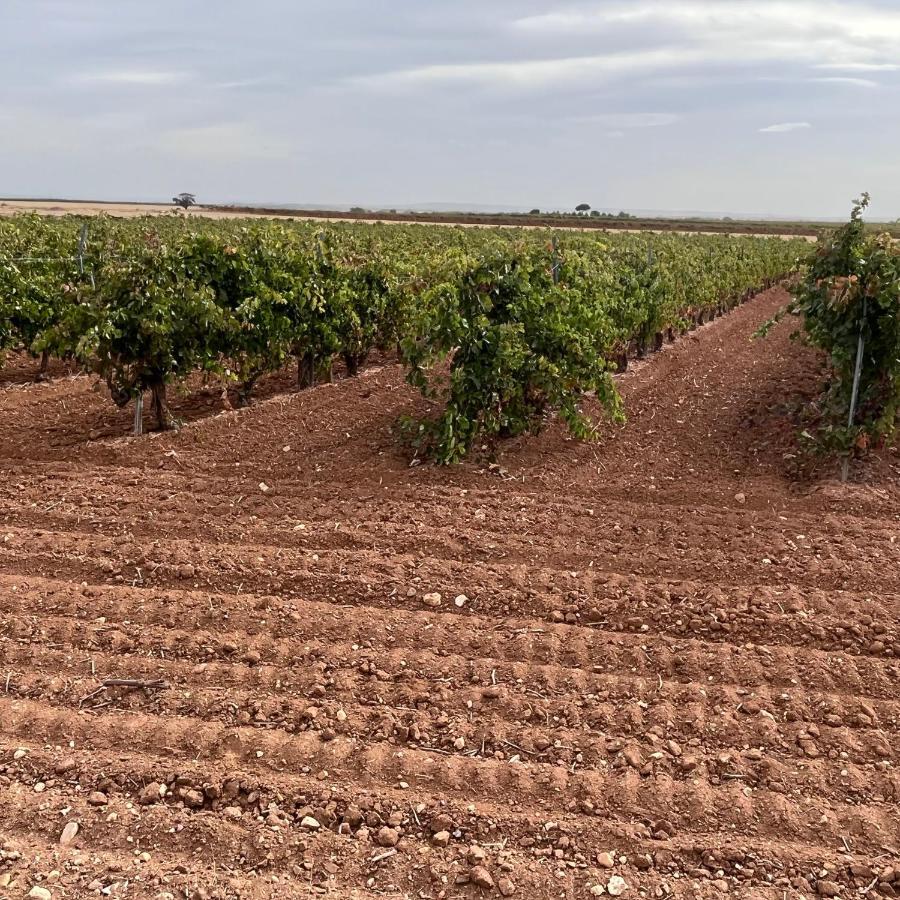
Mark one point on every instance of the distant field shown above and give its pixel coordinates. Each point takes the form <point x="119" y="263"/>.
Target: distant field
<point x="706" y="226"/>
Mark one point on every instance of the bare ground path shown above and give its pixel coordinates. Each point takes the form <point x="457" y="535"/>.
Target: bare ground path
<point x="666" y="648"/>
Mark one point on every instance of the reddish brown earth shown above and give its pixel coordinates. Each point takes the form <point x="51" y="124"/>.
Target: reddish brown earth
<point x="673" y="658"/>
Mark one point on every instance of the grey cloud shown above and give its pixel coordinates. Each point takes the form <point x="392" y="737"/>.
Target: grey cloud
<point x="511" y="102"/>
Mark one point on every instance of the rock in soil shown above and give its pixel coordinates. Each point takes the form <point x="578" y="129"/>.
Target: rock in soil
<point x="388" y="837"/>
<point x="482" y="878"/>
<point x="68" y="833"/>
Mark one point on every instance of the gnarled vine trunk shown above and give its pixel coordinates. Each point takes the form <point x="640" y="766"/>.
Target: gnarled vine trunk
<point x="353" y="361"/>
<point x="306" y="371"/>
<point x="164" y="416"/>
<point x="45" y="361"/>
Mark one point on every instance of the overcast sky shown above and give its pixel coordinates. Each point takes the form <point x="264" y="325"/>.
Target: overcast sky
<point x="752" y="106"/>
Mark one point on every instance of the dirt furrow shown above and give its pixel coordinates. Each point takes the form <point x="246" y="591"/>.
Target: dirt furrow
<point x="672" y="655"/>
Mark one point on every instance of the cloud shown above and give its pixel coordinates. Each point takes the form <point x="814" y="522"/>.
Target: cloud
<point x="861" y="67"/>
<point x="855" y="82"/>
<point x="248" y="84"/>
<point x="785" y="126"/>
<point x="541" y="72"/>
<point x="648" y="36"/>
<point x="830" y="33"/>
<point x="130" y="77"/>
<point x="462" y="101"/>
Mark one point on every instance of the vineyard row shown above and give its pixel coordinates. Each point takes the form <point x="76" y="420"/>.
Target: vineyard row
<point x="502" y="326"/>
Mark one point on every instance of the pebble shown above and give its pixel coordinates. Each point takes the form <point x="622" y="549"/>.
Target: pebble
<point x="616" y="886"/>
<point x="441" y="839"/>
<point x="598" y="890"/>
<point x="461" y="601"/>
<point x="310" y="823"/>
<point x="20" y="754"/>
<point x="475" y="855"/>
<point x="633" y="757"/>
<point x="193" y="799"/>
<point x="68" y="834"/>
<point x="433" y="599"/>
<point x="151" y="793"/>
<point x="65" y="765"/>
<point x="40" y="893"/>
<point x="828" y="889"/>
<point x="605" y="860"/>
<point x="233" y="812"/>
<point x="96" y="798"/>
<point x="388" y="837"/>
<point x="482" y="878"/>
<point x="740" y="497"/>
<point x="506" y="887"/>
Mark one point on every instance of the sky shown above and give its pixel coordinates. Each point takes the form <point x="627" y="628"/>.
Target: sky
<point x="772" y="107"/>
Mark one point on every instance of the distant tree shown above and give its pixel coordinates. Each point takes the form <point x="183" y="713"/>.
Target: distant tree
<point x="596" y="213"/>
<point x="358" y="209"/>
<point x="185" y="201"/>
<point x="624" y="215"/>
<point x="535" y="212"/>
<point x="582" y="207"/>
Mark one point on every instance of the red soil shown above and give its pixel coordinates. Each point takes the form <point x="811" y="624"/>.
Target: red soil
<point x="670" y="649"/>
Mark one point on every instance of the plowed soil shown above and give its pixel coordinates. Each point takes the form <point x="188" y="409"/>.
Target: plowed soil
<point x="661" y="659"/>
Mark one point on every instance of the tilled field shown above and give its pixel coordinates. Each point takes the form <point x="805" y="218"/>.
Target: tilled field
<point x="660" y="664"/>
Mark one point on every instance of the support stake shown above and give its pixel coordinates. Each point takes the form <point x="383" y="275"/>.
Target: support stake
<point x="139" y="414"/>
<point x="854" y="395"/>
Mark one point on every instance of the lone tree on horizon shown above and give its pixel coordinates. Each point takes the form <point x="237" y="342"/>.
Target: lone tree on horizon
<point x="185" y="201"/>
